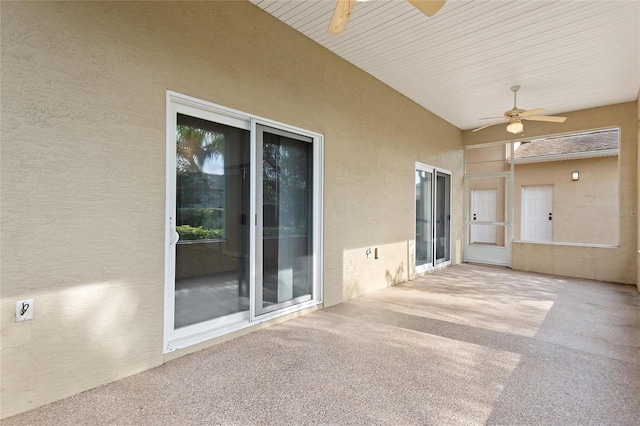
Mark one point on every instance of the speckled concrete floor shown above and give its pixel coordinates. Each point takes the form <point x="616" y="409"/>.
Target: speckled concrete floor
<point x="465" y="345"/>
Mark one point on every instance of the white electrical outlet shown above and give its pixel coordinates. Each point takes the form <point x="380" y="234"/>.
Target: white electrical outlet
<point x="24" y="310"/>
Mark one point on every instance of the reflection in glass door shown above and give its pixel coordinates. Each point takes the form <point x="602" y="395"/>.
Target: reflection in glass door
<point x="424" y="219"/>
<point x="286" y="197"/>
<point x="212" y="202"/>
<point x="443" y="217"/>
<point x="433" y="217"/>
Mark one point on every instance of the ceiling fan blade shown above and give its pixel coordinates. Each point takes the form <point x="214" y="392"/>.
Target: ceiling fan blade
<point x="428" y="7"/>
<point x="549" y="118"/>
<point x="341" y="16"/>
<point x="484" y="127"/>
<point x="489" y="118"/>
<point x="534" y="111"/>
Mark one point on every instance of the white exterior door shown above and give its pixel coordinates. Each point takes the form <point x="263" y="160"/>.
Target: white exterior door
<point x="483" y="209"/>
<point x="537" y="213"/>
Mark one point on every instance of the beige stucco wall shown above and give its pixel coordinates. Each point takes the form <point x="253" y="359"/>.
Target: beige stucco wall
<point x="487" y="159"/>
<point x="83" y="171"/>
<point x="617" y="264"/>
<point x="585" y="211"/>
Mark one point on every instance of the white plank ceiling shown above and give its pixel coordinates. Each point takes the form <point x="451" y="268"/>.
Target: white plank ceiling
<point x="460" y="63"/>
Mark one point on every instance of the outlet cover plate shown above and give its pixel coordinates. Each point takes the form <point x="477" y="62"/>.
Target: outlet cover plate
<point x="24" y="310"/>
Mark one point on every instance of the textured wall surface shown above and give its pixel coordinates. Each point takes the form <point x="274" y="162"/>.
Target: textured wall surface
<point x="617" y="264"/>
<point x="585" y="211"/>
<point x="83" y="171"/>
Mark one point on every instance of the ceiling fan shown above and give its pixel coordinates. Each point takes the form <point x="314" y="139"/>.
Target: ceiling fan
<point x="515" y="116"/>
<point x="345" y="7"/>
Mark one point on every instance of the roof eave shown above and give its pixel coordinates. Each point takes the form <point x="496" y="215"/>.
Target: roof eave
<point x="568" y="156"/>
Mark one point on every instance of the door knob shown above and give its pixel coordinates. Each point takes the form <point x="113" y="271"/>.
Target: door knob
<point x="173" y="234"/>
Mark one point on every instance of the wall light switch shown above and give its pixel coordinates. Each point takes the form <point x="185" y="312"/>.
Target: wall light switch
<point x="24" y="310"/>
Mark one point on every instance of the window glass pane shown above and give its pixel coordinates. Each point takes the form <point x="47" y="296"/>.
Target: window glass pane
<point x="287" y="219"/>
<point x="443" y="217"/>
<point x="424" y="218"/>
<point x="566" y="189"/>
<point x="212" y="204"/>
<point x="488" y="235"/>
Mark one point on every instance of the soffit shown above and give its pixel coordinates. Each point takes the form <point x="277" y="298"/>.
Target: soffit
<point x="460" y="63"/>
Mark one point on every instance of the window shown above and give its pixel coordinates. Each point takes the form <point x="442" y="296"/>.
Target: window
<point x="557" y="189"/>
<point x="566" y="188"/>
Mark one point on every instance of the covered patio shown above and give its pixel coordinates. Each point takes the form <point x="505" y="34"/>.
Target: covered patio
<point x="467" y="344"/>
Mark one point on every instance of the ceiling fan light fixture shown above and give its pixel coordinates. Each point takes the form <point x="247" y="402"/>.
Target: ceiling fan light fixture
<point x="515" y="127"/>
<point x="516" y="115"/>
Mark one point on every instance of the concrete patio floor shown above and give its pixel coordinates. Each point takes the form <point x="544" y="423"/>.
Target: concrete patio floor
<point x="465" y="345"/>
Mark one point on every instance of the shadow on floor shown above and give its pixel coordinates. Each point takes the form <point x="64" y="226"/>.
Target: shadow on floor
<point x="465" y="345"/>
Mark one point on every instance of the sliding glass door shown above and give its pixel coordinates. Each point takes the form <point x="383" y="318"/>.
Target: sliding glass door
<point x="443" y="217"/>
<point x="424" y="219"/>
<point x="243" y="241"/>
<point x="433" y="217"/>
<point x="285" y="196"/>
<point x="212" y="198"/>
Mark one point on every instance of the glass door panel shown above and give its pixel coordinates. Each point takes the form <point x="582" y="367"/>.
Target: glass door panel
<point x="212" y="204"/>
<point x="443" y="217"/>
<point x="433" y="217"/>
<point x="424" y="219"/>
<point x="285" y="193"/>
